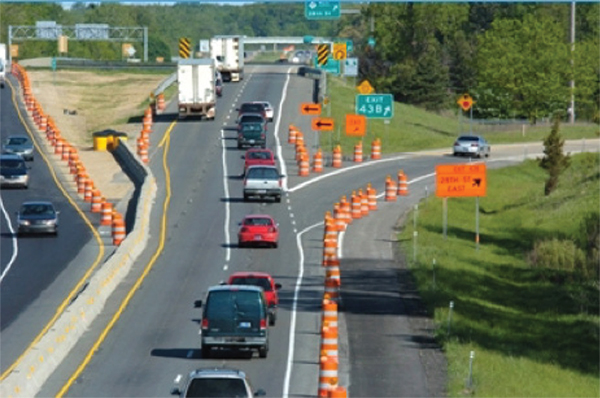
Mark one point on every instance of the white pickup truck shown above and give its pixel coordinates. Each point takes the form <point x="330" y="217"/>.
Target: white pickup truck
<point x="263" y="182"/>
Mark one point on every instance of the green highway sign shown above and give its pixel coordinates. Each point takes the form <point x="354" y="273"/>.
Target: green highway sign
<point x="331" y="66"/>
<point x="322" y="9"/>
<point x="375" y="106"/>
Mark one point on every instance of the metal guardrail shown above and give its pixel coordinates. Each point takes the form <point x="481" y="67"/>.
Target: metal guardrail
<point x="165" y="83"/>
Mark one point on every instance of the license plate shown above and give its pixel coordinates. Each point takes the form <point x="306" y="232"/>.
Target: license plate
<point x="245" y="324"/>
<point x="257" y="237"/>
<point x="262" y="191"/>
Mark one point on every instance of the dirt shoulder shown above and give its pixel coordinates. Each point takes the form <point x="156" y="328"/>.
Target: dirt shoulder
<point x="82" y="103"/>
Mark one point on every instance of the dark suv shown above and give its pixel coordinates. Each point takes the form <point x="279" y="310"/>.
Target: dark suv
<point x="235" y="316"/>
<point x="251" y="134"/>
<point x="252" y="107"/>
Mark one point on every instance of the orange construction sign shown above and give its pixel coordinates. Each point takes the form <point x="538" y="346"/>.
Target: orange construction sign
<point x="465" y="102"/>
<point x="308" y="108"/>
<point x="322" y="123"/>
<point x="356" y="125"/>
<point x="459" y="180"/>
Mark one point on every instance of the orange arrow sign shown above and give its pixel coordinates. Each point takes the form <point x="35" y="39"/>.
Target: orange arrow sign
<point x="355" y="125"/>
<point x="309" y="108"/>
<point x="456" y="180"/>
<point x="322" y="123"/>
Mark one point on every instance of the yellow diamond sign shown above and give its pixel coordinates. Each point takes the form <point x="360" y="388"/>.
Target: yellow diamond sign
<point x="365" y="87"/>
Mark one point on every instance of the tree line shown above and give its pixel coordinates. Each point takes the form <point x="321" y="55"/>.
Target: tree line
<point x="515" y="59"/>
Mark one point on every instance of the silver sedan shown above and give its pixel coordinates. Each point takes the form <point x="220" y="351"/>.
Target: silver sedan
<point x="471" y="145"/>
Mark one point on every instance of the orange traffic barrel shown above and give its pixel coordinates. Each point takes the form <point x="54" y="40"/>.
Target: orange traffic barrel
<point x="144" y="154"/>
<point x="81" y="181"/>
<point x="329" y="341"/>
<point x="292" y="134"/>
<point x="364" y="202"/>
<point x="318" y="161"/>
<point x="358" y="153"/>
<point x="161" y="102"/>
<point x="107" y="211"/>
<point x="328" y="375"/>
<point x="376" y="149"/>
<point x="356" y="205"/>
<point x="339" y="217"/>
<point x="304" y="166"/>
<point x="43" y="123"/>
<point x="372" y="197"/>
<point x="73" y="162"/>
<point x="402" y="184"/>
<point x="330" y="249"/>
<point x="346" y="210"/>
<point x="332" y="290"/>
<point x="337" y="157"/>
<point x="390" y="190"/>
<point x="96" y="206"/>
<point x="118" y="230"/>
<point x="89" y="188"/>
<point x="66" y="151"/>
<point x="147" y="116"/>
<point x="299" y="138"/>
<point x="58" y="149"/>
<point x="330" y="313"/>
<point x="332" y="271"/>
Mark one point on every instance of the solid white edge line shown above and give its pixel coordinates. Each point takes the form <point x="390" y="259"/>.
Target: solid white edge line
<point x="15" y="244"/>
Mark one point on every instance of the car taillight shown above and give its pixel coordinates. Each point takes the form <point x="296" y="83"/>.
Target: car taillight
<point x="263" y="324"/>
<point x="280" y="182"/>
<point x="245" y="182"/>
<point x="204" y="323"/>
<point x="244" y="229"/>
<point x="474" y="144"/>
<point x="456" y="143"/>
<point x="272" y="229"/>
<point x="262" y="136"/>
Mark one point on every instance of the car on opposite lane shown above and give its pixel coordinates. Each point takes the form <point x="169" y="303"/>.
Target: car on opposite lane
<point x="258" y="230"/>
<point x="217" y="383"/>
<point x="37" y="217"/>
<point x="264" y="280"/>
<point x="471" y="145"/>
<point x="19" y="144"/>
<point x="256" y="156"/>
<point x="14" y="172"/>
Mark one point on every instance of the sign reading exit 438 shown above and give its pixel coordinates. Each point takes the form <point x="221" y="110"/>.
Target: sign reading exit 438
<point x="375" y="106"/>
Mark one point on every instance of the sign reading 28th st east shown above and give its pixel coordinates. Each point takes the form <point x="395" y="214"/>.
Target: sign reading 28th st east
<point x="457" y="180"/>
<point x="375" y="106"/>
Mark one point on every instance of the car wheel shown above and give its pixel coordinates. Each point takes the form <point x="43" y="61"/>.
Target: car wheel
<point x="275" y="245"/>
<point x="272" y="319"/>
<point x="205" y="352"/>
<point x="262" y="351"/>
<point x="245" y="198"/>
<point x="278" y="199"/>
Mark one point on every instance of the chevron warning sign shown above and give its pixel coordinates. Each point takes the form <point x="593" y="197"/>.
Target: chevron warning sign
<point x="184" y="47"/>
<point x="322" y="54"/>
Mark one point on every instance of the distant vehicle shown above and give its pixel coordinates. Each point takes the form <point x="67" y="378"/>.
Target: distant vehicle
<point x="217" y="383"/>
<point x="197" y="95"/>
<point x="37" y="217"/>
<point x="13" y="171"/>
<point x="263" y="182"/>
<point x="251" y="118"/>
<point x="218" y="84"/>
<point x="471" y="145"/>
<point x="255" y="156"/>
<point x="264" y="280"/>
<point x="234" y="317"/>
<point x="20" y="145"/>
<point x="252" y="107"/>
<point x="251" y="134"/>
<point x="3" y="63"/>
<point x="258" y="230"/>
<point x="269" y="112"/>
<point x="228" y="53"/>
<point x="301" y="57"/>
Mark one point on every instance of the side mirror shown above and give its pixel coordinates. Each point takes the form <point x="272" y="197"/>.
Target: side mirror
<point x="175" y="391"/>
<point x="243" y="157"/>
<point x="282" y="176"/>
<point x="197" y="303"/>
<point x="222" y="283"/>
<point x="277" y="286"/>
<point x="260" y="393"/>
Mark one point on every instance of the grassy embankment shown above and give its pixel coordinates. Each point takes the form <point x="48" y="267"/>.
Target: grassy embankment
<point x="531" y="335"/>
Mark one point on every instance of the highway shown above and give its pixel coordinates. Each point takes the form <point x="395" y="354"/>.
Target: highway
<point x="153" y="340"/>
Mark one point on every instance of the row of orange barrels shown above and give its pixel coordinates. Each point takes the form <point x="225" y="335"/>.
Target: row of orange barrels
<point x="143" y="141"/>
<point x="296" y="138"/>
<point x="69" y="154"/>
<point x="361" y="203"/>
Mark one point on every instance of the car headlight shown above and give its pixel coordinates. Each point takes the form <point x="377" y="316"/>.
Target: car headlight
<point x="24" y="222"/>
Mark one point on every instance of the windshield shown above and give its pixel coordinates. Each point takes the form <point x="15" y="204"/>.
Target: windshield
<point x="259" y="155"/>
<point x="38" y="209"/>
<point x="17" y="141"/>
<point x="260" y="282"/>
<point x="216" y="388"/>
<point x="228" y="304"/>
<point x="12" y="164"/>
<point x="251" y="119"/>
<point x="263" y="173"/>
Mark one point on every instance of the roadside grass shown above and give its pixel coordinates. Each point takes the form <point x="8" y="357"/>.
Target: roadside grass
<point x="413" y="129"/>
<point x="532" y="335"/>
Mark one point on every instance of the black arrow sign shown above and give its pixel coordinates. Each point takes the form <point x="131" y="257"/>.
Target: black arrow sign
<point x="321" y="124"/>
<point x="310" y="109"/>
<point x="476" y="182"/>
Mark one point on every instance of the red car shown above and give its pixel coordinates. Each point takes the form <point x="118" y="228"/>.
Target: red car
<point x="258" y="229"/>
<point x="264" y="280"/>
<point x="255" y="156"/>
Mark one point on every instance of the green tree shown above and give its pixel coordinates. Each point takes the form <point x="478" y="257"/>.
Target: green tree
<point x="527" y="61"/>
<point x="554" y="161"/>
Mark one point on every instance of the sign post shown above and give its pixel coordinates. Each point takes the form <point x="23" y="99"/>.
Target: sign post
<point x="466" y="103"/>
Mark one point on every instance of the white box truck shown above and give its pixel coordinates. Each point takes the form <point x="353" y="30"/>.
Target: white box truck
<point x="228" y="53"/>
<point x="197" y="93"/>
<point x="3" y="64"/>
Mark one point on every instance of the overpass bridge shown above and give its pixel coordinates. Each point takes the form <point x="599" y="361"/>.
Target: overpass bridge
<point x="286" y="40"/>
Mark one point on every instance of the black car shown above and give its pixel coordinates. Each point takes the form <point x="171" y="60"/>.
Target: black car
<point x="13" y="171"/>
<point x="251" y="134"/>
<point x="252" y="107"/>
